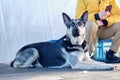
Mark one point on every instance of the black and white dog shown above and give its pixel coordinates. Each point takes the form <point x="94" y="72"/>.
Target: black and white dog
<point x="69" y="51"/>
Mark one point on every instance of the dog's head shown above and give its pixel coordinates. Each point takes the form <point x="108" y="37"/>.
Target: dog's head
<point x="76" y="27"/>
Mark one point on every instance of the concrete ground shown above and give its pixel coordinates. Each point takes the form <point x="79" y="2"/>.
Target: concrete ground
<point x="8" y="73"/>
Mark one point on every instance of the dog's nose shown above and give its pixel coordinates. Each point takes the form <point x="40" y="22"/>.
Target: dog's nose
<point x="77" y="29"/>
<point x="76" y="32"/>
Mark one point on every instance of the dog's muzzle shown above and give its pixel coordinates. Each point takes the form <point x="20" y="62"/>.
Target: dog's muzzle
<point x="75" y="32"/>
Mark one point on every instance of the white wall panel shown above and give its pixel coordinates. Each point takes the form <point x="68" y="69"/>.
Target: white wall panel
<point x="27" y="21"/>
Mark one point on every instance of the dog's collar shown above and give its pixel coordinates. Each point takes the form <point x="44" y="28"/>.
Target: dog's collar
<point x="70" y="47"/>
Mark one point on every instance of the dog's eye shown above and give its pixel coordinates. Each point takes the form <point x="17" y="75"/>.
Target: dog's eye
<point x="79" y="23"/>
<point x="72" y="24"/>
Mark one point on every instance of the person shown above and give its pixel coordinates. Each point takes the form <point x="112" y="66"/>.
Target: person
<point x="101" y="24"/>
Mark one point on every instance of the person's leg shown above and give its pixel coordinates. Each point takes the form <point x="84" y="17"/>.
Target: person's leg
<point x="91" y="36"/>
<point x="112" y="31"/>
<point x="116" y="41"/>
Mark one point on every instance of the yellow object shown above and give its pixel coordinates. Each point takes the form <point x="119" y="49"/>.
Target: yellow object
<point x="93" y="7"/>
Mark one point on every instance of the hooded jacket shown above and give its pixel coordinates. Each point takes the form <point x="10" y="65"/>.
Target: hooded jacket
<point x="94" y="6"/>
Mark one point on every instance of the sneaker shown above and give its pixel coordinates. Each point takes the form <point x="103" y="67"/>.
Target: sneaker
<point x="111" y="58"/>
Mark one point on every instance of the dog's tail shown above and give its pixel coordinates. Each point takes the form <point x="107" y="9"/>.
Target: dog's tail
<point x="11" y="64"/>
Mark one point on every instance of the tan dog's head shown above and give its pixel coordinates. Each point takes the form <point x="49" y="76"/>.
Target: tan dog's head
<point x="76" y="27"/>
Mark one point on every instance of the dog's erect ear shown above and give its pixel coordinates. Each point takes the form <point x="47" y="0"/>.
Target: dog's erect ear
<point x="66" y="18"/>
<point x="84" y="16"/>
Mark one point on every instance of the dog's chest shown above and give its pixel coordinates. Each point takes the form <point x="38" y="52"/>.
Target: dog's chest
<point x="72" y="52"/>
<point x="69" y="47"/>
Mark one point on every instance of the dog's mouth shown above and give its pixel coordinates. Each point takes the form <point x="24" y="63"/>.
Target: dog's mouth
<point x="76" y="40"/>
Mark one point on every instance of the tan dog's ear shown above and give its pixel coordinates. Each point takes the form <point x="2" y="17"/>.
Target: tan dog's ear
<point x="66" y="18"/>
<point x="84" y="17"/>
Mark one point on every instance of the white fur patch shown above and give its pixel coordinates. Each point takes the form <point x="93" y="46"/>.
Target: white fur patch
<point x="24" y="60"/>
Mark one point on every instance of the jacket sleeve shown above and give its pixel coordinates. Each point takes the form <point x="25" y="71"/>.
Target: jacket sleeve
<point x="115" y="14"/>
<point x="113" y="19"/>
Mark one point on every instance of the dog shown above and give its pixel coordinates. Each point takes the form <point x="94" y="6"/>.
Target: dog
<point x="70" y="51"/>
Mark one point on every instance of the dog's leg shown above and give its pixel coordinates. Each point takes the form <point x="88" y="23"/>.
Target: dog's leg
<point x="88" y="59"/>
<point x="62" y="66"/>
<point x="36" y="64"/>
<point x="25" y="58"/>
<point x="85" y="63"/>
<point x="88" y="64"/>
<point x="92" y="66"/>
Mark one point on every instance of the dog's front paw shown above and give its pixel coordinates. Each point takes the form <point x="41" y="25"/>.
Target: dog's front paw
<point x="79" y="66"/>
<point x="92" y="66"/>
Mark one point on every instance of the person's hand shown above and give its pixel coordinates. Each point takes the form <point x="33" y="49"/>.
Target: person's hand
<point x="99" y="23"/>
<point x="103" y="14"/>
